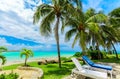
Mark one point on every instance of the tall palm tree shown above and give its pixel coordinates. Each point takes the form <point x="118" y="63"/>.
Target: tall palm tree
<point x="110" y="37"/>
<point x="49" y="14"/>
<point x="3" y="49"/>
<point x="113" y="30"/>
<point x="85" y="27"/>
<point x="27" y="53"/>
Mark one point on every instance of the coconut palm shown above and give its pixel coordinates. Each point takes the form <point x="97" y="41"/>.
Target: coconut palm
<point x="110" y="37"/>
<point x="3" y="49"/>
<point x="85" y="27"/>
<point x="112" y="29"/>
<point x="27" y="53"/>
<point x="54" y="12"/>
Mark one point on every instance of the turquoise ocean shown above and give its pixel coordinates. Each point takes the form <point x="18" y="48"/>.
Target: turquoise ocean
<point x="15" y="56"/>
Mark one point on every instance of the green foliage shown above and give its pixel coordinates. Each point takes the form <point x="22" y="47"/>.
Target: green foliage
<point x="9" y="76"/>
<point x="66" y="59"/>
<point x="3" y="49"/>
<point x="27" y="53"/>
<point x="104" y="54"/>
<point x="51" y="71"/>
<point x="3" y="59"/>
<point x="78" y="54"/>
<point x="96" y="54"/>
<point x="52" y="13"/>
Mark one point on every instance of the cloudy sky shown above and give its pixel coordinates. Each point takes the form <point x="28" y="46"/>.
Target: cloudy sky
<point x="17" y="30"/>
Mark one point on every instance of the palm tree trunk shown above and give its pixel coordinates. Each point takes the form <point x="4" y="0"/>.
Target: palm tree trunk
<point x="26" y="61"/>
<point x="115" y="50"/>
<point x="57" y="41"/>
<point x="99" y="54"/>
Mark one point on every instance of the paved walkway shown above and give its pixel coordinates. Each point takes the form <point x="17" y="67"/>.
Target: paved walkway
<point x="24" y="74"/>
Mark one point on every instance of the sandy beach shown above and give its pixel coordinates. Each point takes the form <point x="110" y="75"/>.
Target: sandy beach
<point x="29" y="60"/>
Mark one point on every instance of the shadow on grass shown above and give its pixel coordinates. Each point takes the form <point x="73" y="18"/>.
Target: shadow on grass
<point x="110" y="59"/>
<point x="55" y="70"/>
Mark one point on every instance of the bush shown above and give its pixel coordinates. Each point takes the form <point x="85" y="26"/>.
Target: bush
<point x="77" y="54"/>
<point x="9" y="76"/>
<point x="65" y="59"/>
<point x="104" y="54"/>
<point x="95" y="54"/>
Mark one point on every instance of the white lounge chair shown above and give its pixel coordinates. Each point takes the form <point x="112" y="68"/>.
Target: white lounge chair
<point x="86" y="72"/>
<point x="109" y="69"/>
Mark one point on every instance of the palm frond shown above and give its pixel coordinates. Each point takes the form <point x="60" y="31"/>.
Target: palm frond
<point x="45" y="28"/>
<point x="3" y="49"/>
<point x="72" y="22"/>
<point x="69" y="34"/>
<point x="75" y="39"/>
<point x="42" y="10"/>
<point x="93" y="27"/>
<point x="3" y="59"/>
<point x="26" y="52"/>
<point x="98" y="18"/>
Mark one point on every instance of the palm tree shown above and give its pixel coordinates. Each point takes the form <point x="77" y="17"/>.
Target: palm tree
<point x="3" y="58"/>
<point x="113" y="31"/>
<point x="3" y="49"/>
<point x="85" y="27"/>
<point x="27" y="53"/>
<point x="49" y="14"/>
<point x="110" y="37"/>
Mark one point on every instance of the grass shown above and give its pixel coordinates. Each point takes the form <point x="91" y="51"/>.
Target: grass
<point x="52" y="71"/>
<point x="110" y="59"/>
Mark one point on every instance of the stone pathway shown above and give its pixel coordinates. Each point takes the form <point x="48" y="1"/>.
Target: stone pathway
<point x="24" y="74"/>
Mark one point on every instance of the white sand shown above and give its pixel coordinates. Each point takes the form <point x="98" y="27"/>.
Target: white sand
<point x="29" y="60"/>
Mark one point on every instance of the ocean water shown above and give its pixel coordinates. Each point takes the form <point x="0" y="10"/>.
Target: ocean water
<point x="15" y="56"/>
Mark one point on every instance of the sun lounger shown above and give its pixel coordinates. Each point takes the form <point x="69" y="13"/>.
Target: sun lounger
<point x="100" y="66"/>
<point x="86" y="72"/>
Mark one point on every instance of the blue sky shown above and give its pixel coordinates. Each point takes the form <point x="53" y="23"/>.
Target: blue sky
<point x="17" y="30"/>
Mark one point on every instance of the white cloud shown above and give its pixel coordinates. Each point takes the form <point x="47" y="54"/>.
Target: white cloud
<point x="93" y="4"/>
<point x="16" y="21"/>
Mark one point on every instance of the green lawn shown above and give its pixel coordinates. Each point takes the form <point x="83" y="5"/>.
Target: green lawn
<point x="110" y="59"/>
<point x="52" y="71"/>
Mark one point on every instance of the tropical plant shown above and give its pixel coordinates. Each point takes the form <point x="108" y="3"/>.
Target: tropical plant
<point x="114" y="16"/>
<point x="9" y="76"/>
<point x="50" y="13"/>
<point x="78" y="54"/>
<point x="3" y="59"/>
<point x="3" y="49"/>
<point x="27" y="53"/>
<point x="113" y="31"/>
<point x="85" y="27"/>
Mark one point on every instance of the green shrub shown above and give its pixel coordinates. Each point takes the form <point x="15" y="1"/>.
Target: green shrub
<point x="77" y="54"/>
<point x="66" y="59"/>
<point x="104" y="54"/>
<point x="9" y="76"/>
<point x="95" y="54"/>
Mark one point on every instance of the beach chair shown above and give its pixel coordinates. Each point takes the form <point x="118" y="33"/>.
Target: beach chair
<point x="100" y="66"/>
<point x="86" y="72"/>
